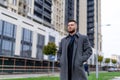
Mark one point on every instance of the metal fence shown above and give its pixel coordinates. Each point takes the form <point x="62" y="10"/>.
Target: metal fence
<point x="25" y="65"/>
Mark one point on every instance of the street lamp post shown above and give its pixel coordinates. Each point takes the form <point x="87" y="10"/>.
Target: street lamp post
<point x="97" y="26"/>
<point x="96" y="39"/>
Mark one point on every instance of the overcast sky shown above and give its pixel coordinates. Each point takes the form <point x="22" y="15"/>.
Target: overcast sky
<point x="111" y="34"/>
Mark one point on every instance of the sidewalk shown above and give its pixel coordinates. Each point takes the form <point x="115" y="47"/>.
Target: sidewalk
<point x="11" y="76"/>
<point x="116" y="78"/>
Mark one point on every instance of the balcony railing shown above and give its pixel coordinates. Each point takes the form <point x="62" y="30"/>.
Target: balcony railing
<point x="91" y="3"/>
<point x="23" y="65"/>
<point x="38" y="9"/>
<point x="47" y="7"/>
<point x="47" y="15"/>
<point x="49" y="1"/>
<point x="39" y="1"/>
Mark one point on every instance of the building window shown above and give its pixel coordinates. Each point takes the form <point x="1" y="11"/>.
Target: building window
<point x="0" y="44"/>
<point x="27" y="35"/>
<point x="26" y="43"/>
<point x="8" y="29"/>
<point x="40" y="45"/>
<point x="51" y="39"/>
<point x="26" y="50"/>
<point x="7" y="47"/>
<point x="7" y="39"/>
<point x="0" y="27"/>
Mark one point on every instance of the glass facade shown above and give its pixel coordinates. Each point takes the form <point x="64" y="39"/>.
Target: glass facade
<point x="43" y="10"/>
<point x="0" y="41"/>
<point x="6" y="47"/>
<point x="51" y="39"/>
<point x="7" y="38"/>
<point x="8" y="29"/>
<point x="77" y="13"/>
<point x="27" y="35"/>
<point x="40" y="45"/>
<point x="26" y="43"/>
<point x="90" y="21"/>
<point x="70" y="9"/>
<point x="0" y="26"/>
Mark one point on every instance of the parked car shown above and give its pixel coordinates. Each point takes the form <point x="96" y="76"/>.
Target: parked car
<point x="113" y="69"/>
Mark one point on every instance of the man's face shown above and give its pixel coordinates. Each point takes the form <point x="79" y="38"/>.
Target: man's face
<point x="72" y="27"/>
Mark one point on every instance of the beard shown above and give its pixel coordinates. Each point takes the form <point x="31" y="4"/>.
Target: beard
<point x="72" y="31"/>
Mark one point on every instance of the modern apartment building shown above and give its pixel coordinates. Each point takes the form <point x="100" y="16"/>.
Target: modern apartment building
<point x="22" y="37"/>
<point x="22" y="41"/>
<point x="21" y="7"/>
<point x="11" y="5"/>
<point x="71" y="11"/>
<point x="91" y="21"/>
<point x="43" y="9"/>
<point x="58" y="16"/>
<point x="50" y="17"/>
<point x="94" y="18"/>
<point x="84" y="12"/>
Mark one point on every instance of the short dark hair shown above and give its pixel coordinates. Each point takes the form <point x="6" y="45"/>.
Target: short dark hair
<point x="72" y="20"/>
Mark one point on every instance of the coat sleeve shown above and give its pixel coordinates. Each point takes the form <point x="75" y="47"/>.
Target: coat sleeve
<point x="59" y="52"/>
<point x="87" y="49"/>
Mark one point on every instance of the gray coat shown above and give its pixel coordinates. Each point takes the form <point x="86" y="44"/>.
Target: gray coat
<point x="81" y="52"/>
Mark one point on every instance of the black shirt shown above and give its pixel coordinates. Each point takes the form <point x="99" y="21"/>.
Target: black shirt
<point x="70" y="54"/>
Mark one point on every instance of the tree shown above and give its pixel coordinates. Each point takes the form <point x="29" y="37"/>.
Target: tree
<point x="114" y="61"/>
<point x="107" y="60"/>
<point x="100" y="59"/>
<point x="50" y="49"/>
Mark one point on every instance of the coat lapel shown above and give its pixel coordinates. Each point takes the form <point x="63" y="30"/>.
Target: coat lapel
<point x="74" y="50"/>
<point x="66" y="46"/>
<point x="66" y="43"/>
<point x="67" y="40"/>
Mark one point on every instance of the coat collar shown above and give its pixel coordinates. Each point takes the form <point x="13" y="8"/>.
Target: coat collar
<point x="76" y="34"/>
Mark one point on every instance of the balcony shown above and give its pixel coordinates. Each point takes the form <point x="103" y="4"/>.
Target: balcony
<point x="91" y="38"/>
<point x="4" y="3"/>
<point x="90" y="20"/>
<point x="38" y="9"/>
<point x="91" y="3"/>
<point x="47" y="7"/>
<point x="47" y="15"/>
<point x="22" y="11"/>
<point x="49" y="1"/>
<point x="91" y="14"/>
<point x="47" y="24"/>
<point x="39" y="2"/>
<point x="90" y="32"/>
<point x="90" y="8"/>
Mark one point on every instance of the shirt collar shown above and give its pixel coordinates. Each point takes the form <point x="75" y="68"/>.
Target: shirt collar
<point x="76" y="34"/>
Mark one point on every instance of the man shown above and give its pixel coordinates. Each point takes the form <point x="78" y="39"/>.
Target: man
<point x="74" y="49"/>
<point x="86" y="67"/>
